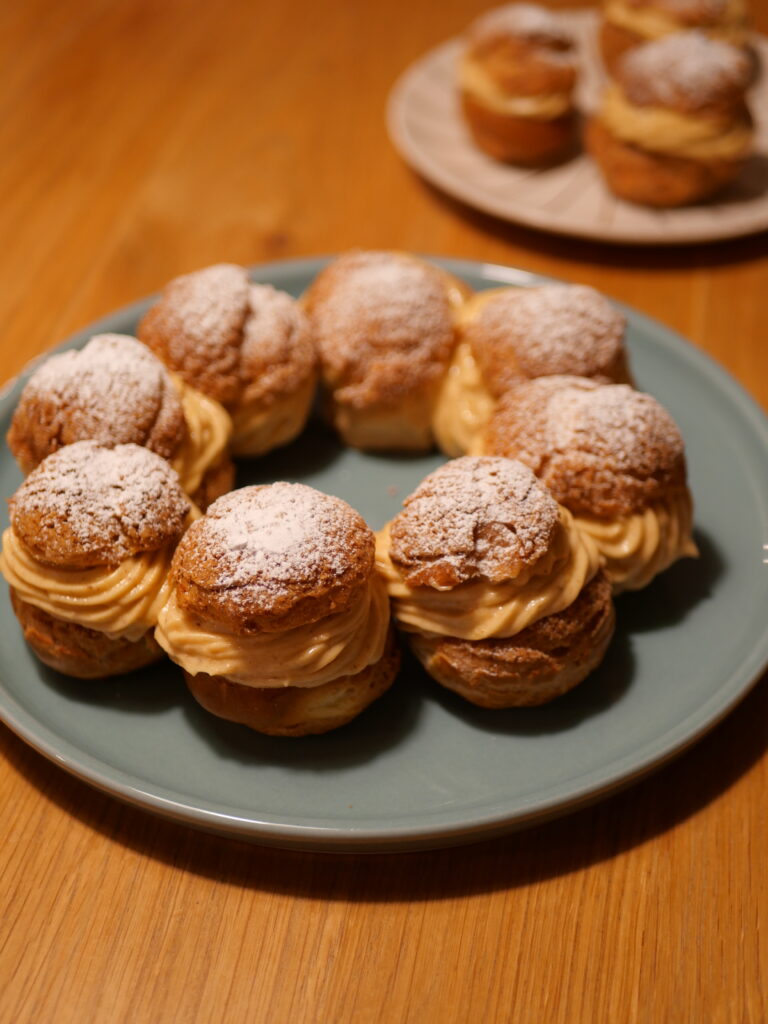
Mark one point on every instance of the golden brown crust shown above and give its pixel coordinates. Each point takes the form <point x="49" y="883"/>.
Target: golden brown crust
<point x="519" y="333"/>
<point x="524" y="49"/>
<point x="385" y="330"/>
<point x="196" y="329"/>
<point x="78" y="651"/>
<point x="602" y="450"/>
<point x="536" y="665"/>
<point x="294" y="710"/>
<point x="520" y="140"/>
<point x="687" y="72"/>
<point x="89" y="505"/>
<point x="218" y="480"/>
<point x="114" y="390"/>
<point x="475" y="518"/>
<point x="272" y="557"/>
<point x="655" y="179"/>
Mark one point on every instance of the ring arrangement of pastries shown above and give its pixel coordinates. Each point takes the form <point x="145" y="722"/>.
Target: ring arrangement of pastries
<point x="278" y="602"/>
<point x="516" y="80"/>
<point x="673" y="126"/>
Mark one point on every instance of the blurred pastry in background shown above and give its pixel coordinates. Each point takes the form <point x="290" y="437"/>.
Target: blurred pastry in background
<point x="613" y="457"/>
<point x="512" y="334"/>
<point x="517" y="76"/>
<point x="249" y="346"/>
<point x="385" y="324"/>
<point x="674" y="128"/>
<point x="629" y="23"/>
<point x="115" y="391"/>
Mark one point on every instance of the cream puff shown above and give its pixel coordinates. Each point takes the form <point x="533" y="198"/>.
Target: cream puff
<point x="501" y="598"/>
<point x="509" y="334"/>
<point x="115" y="391"/>
<point x="627" y="24"/>
<point x="87" y="553"/>
<point x="249" y="346"/>
<point x="615" y="458"/>
<point x="674" y="128"/>
<point x="385" y="328"/>
<point x="276" y="614"/>
<point x="517" y="76"/>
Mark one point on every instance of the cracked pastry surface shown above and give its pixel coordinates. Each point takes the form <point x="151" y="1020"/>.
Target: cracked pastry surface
<point x="385" y="324"/>
<point x="508" y="334"/>
<point x="480" y="553"/>
<point x="249" y="346"/>
<point x="615" y="458"/>
<point x="87" y="555"/>
<point x="275" y="589"/>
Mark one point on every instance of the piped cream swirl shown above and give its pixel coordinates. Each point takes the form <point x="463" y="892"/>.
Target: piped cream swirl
<point x="481" y="610"/>
<point x="660" y="130"/>
<point x="209" y="429"/>
<point x="341" y="644"/>
<point x="120" y="601"/>
<point x="476" y="81"/>
<point x="636" y="548"/>
<point x="463" y="405"/>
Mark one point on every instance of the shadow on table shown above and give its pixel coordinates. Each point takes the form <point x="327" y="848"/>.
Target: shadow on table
<point x="597" y="833"/>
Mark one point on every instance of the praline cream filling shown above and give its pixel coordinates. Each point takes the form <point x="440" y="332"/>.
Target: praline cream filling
<point x="653" y="23"/>
<point x="660" y="130"/>
<point x="341" y="644"/>
<point x="636" y="548"/>
<point x="476" y="81"/>
<point x="259" y="428"/>
<point x="122" y="601"/>
<point x="463" y="405"/>
<point x="209" y="429"/>
<point x="479" y="610"/>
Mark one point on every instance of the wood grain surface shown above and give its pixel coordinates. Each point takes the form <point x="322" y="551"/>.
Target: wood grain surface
<point x="141" y="139"/>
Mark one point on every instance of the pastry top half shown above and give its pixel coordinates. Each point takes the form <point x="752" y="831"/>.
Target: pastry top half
<point x="550" y="329"/>
<point x="686" y="72"/>
<point x="652" y="19"/>
<point x="602" y="449"/>
<point x="114" y="391"/>
<point x="473" y="519"/>
<point x="88" y="505"/>
<point x="385" y="326"/>
<point x="235" y="341"/>
<point x="270" y="558"/>
<point x="522" y="49"/>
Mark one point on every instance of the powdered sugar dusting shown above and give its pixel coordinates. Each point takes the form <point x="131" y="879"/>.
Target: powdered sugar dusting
<point x="527" y="21"/>
<point x="471" y="515"/>
<point x="208" y="302"/>
<point x="685" y="68"/>
<point x="90" y="500"/>
<point x="614" y="424"/>
<point x="277" y="538"/>
<point x="383" y="322"/>
<point x="277" y="353"/>
<point x="555" y="329"/>
<point x="113" y="390"/>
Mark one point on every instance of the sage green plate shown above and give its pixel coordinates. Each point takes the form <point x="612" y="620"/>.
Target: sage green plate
<point x="422" y="768"/>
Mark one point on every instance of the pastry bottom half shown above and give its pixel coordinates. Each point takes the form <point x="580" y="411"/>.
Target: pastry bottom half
<point x="297" y="710"/>
<point x="520" y="140"/>
<point x="543" y="661"/>
<point x="655" y="179"/>
<point x="78" y="651"/>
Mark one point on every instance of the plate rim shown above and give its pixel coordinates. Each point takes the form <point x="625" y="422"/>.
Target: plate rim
<point x="396" y="112"/>
<point x="564" y="798"/>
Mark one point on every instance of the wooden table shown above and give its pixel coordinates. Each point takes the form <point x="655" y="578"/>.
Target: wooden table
<point x="141" y="139"/>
